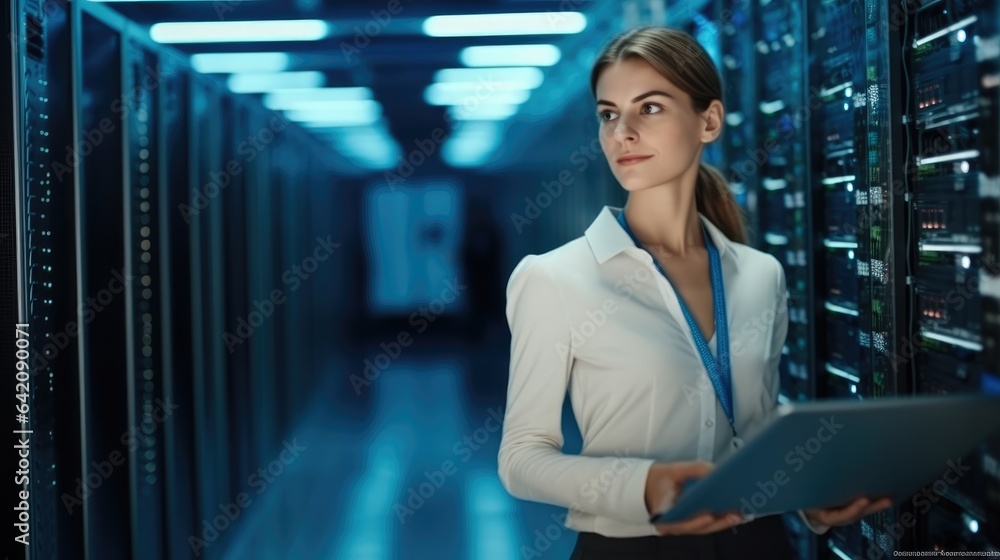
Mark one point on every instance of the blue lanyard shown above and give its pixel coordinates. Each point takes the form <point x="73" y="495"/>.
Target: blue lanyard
<point x="718" y="370"/>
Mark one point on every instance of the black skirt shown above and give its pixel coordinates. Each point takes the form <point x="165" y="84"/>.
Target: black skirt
<point x="764" y="538"/>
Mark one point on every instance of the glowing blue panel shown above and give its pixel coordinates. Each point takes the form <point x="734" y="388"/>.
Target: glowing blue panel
<point x="413" y="241"/>
<point x="367" y="146"/>
<point x="528" y="23"/>
<point x="366" y="107"/>
<point x="525" y="77"/>
<point x="239" y="31"/>
<point x="436" y="94"/>
<point x="483" y="112"/>
<point x="282" y="99"/>
<point x="264" y="82"/>
<point x="326" y="119"/>
<point x="234" y="63"/>
<point x="510" y="55"/>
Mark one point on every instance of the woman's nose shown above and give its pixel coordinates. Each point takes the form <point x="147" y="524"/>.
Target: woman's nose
<point x="623" y="130"/>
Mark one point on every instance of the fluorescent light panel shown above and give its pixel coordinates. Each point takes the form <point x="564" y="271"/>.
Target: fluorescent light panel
<point x="483" y="86"/>
<point x="239" y="31"/>
<point x="471" y="143"/>
<point x="362" y="106"/>
<point x="510" y="55"/>
<point x="529" y="23"/>
<point x="278" y="100"/>
<point x="316" y="119"/>
<point x="483" y="112"/>
<point x="527" y="77"/>
<point x="234" y="63"/>
<point x="368" y="146"/>
<point x="270" y="81"/>
<point x="437" y="95"/>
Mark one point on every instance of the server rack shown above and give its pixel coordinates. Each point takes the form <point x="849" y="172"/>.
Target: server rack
<point x="146" y="408"/>
<point x="950" y="60"/>
<point x="177" y="311"/>
<point x="42" y="176"/>
<point x="131" y="275"/>
<point x="738" y="68"/>
<point x="101" y="254"/>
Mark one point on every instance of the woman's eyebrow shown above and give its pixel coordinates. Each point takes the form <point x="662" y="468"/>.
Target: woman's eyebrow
<point x="638" y="97"/>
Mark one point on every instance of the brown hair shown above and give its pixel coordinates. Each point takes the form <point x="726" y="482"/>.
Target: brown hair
<point x="679" y="58"/>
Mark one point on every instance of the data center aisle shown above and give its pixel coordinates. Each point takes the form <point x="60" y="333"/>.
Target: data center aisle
<point x="414" y="478"/>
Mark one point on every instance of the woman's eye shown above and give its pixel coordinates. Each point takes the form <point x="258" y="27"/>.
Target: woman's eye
<point x="651" y="106"/>
<point x="606" y="115"/>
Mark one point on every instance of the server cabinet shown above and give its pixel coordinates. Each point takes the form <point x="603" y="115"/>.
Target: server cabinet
<point x="42" y="173"/>
<point x="950" y="61"/>
<point x="176" y="324"/>
<point x="102" y="280"/>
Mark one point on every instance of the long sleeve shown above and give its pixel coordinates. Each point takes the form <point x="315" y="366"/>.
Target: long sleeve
<point x="779" y="334"/>
<point x="532" y="465"/>
<point x="778" y="337"/>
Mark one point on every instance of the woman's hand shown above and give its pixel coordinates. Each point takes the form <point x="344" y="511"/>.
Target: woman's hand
<point x="664" y="483"/>
<point x="701" y="524"/>
<point x="848" y="513"/>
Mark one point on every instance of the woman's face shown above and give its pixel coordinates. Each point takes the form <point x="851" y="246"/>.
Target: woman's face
<point x="642" y="113"/>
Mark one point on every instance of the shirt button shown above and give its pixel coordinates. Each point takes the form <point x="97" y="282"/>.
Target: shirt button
<point x="709" y="422"/>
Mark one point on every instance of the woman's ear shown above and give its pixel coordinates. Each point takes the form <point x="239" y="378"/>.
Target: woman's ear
<point x="713" y="117"/>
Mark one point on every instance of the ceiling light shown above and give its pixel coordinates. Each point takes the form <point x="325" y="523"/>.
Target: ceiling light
<point x="234" y="63"/>
<point x="264" y="82"/>
<point x="437" y="95"/>
<point x="529" y="23"/>
<point x="239" y="31"/>
<point x="510" y="55"/>
<point x="525" y="77"/>
<point x="280" y="99"/>
<point x="483" y="112"/>
<point x="327" y="119"/>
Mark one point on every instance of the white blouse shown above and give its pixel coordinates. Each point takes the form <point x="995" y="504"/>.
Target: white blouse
<point x="594" y="316"/>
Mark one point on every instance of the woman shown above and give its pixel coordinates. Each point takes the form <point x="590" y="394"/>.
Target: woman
<point x="620" y="317"/>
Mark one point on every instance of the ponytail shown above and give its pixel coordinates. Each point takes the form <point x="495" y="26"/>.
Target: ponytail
<point x="714" y="199"/>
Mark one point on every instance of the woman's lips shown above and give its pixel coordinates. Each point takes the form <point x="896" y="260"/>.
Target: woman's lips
<point x="630" y="160"/>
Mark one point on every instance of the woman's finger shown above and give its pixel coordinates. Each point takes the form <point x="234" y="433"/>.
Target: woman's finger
<point x="876" y="507"/>
<point x="684" y="527"/>
<point x="721" y="524"/>
<point x="838" y="516"/>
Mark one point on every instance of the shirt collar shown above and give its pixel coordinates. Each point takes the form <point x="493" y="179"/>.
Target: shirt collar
<point x="607" y="238"/>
